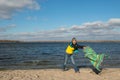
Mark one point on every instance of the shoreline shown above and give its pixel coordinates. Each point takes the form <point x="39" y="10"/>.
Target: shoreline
<point x="16" y="41"/>
<point x="58" y="74"/>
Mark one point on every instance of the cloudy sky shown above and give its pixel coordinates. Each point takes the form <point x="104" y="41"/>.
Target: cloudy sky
<point x="34" y="20"/>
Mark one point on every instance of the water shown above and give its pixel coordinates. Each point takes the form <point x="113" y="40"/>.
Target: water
<point x="51" y="55"/>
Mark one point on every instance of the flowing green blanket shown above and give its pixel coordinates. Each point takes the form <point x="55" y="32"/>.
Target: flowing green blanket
<point x="94" y="58"/>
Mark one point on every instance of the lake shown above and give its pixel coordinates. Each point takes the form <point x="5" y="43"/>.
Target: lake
<point x="39" y="55"/>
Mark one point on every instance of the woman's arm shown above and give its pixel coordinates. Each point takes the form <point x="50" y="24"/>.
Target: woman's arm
<point x="80" y="46"/>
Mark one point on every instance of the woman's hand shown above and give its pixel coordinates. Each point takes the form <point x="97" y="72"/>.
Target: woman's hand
<point x="84" y="47"/>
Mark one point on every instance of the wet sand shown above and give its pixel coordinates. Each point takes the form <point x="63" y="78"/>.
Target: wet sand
<point x="58" y="74"/>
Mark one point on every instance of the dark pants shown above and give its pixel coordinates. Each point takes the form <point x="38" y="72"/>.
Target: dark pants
<point x="67" y="56"/>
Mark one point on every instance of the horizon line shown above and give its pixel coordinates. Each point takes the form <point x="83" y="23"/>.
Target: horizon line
<point x="60" y="41"/>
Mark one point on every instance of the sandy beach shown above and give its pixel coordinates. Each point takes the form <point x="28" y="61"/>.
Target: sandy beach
<point x="57" y="74"/>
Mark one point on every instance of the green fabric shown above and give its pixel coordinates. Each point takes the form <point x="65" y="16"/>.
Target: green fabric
<point x="93" y="57"/>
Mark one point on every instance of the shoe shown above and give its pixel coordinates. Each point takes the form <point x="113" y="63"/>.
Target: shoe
<point x="76" y="69"/>
<point x="66" y="69"/>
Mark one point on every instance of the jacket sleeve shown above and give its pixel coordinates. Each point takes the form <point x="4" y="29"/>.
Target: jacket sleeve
<point x="80" y="46"/>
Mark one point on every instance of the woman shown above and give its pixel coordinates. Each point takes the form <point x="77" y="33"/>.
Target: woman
<point x="70" y="50"/>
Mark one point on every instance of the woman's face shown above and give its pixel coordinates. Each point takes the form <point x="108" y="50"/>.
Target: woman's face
<point x="74" y="41"/>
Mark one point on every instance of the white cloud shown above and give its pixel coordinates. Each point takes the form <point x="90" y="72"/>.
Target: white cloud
<point x="8" y="27"/>
<point x="97" y="30"/>
<point x="114" y="22"/>
<point x="9" y="7"/>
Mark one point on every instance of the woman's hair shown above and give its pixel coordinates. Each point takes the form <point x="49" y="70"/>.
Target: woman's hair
<point x="73" y="38"/>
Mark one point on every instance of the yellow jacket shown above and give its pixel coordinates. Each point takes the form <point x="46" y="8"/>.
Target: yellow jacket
<point x="69" y="50"/>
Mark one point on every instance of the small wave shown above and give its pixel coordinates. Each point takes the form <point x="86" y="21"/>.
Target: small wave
<point x="36" y="62"/>
<point x="45" y="53"/>
<point x="5" y="58"/>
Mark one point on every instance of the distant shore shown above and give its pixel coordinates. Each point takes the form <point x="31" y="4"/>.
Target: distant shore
<point x="17" y="41"/>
